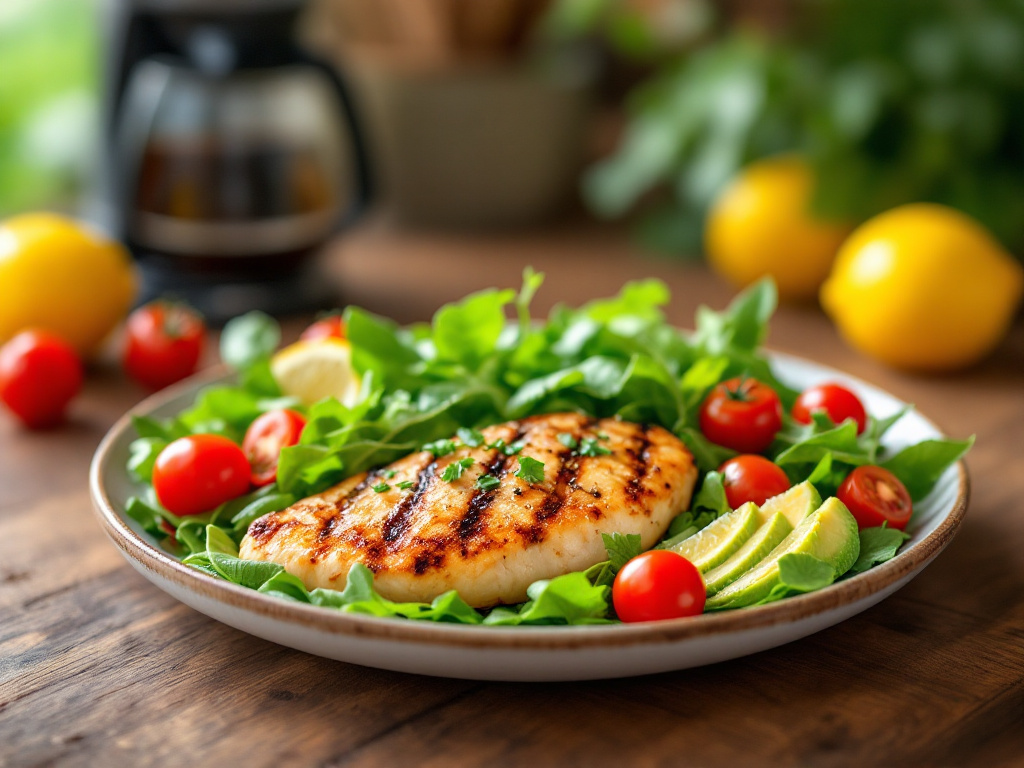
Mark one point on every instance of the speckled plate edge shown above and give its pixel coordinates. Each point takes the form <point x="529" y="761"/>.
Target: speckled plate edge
<point x="809" y="610"/>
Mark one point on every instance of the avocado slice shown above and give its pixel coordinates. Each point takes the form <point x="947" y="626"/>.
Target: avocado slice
<point x="830" y="534"/>
<point x="796" y="504"/>
<point x="714" y="544"/>
<point x="753" y="551"/>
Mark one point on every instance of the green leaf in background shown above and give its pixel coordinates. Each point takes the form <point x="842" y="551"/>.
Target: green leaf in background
<point x="877" y="545"/>
<point x="248" y="339"/>
<point x="919" y="466"/>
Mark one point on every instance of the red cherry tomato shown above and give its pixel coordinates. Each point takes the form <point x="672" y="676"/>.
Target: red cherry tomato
<point x="658" y="585"/>
<point x="875" y="495"/>
<point x="752" y="478"/>
<point x="838" y="402"/>
<point x="742" y="414"/>
<point x="164" y="343"/>
<point x="264" y="440"/>
<point x="39" y="374"/>
<point x="194" y="474"/>
<point x="328" y="327"/>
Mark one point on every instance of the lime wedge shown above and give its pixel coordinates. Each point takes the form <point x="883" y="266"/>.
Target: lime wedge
<point x="830" y="534"/>
<point x="753" y="551"/>
<point x="713" y="545"/>
<point x="796" y="504"/>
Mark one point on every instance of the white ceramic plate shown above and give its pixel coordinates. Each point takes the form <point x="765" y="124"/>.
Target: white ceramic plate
<point x="532" y="653"/>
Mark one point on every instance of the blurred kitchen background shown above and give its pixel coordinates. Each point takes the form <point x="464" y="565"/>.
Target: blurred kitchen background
<point x="461" y="120"/>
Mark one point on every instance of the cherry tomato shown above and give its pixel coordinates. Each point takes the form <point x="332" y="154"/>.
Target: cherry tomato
<point x="194" y="474"/>
<point x="838" y="402"/>
<point x="752" y="478"/>
<point x="165" y="341"/>
<point x="264" y="440"/>
<point x="332" y="326"/>
<point x="875" y="495"/>
<point x="742" y="414"/>
<point x="39" y="374"/>
<point x="658" y="585"/>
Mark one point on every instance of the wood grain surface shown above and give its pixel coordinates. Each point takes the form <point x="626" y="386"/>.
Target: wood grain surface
<point x="99" y="668"/>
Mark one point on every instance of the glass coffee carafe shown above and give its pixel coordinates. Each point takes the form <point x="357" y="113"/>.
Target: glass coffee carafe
<point x="236" y="156"/>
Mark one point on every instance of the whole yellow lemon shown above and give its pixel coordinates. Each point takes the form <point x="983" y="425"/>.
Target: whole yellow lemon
<point x="57" y="275"/>
<point x="760" y="225"/>
<point x="923" y="287"/>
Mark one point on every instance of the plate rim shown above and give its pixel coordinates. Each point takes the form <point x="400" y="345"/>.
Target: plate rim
<point x="847" y="592"/>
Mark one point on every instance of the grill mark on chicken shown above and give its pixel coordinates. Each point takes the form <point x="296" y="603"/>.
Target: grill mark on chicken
<point x="641" y="459"/>
<point x="397" y="522"/>
<point x="565" y="477"/>
<point x="497" y="467"/>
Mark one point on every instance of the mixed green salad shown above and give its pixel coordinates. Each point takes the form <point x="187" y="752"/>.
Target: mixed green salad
<point x="483" y="360"/>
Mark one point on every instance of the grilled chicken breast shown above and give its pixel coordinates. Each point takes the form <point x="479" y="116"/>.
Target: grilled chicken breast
<point x="431" y="536"/>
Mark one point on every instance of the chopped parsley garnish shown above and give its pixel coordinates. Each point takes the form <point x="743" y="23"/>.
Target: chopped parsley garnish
<point x="487" y="482"/>
<point x="389" y="473"/>
<point x="470" y="437"/>
<point x="498" y="445"/>
<point x="530" y="470"/>
<point x="602" y="436"/>
<point x="568" y="440"/>
<point x="590" y="447"/>
<point x="381" y="487"/>
<point x="441" y="447"/>
<point x="405" y="485"/>
<point x="515" y="447"/>
<point x="454" y="470"/>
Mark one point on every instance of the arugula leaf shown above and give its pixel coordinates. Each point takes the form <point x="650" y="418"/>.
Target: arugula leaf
<point x="711" y="496"/>
<point x="249" y="339"/>
<point x="919" y="466"/>
<point x="742" y="326"/>
<point x="799" y="572"/>
<point x="467" y="332"/>
<point x="707" y="455"/>
<point x="568" y="599"/>
<point x="877" y="545"/>
<point x="530" y="469"/>
<point x="142" y="456"/>
<point x="259" y="507"/>
<point x="621" y="548"/>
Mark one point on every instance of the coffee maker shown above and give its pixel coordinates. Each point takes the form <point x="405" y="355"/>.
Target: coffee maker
<point x="233" y="155"/>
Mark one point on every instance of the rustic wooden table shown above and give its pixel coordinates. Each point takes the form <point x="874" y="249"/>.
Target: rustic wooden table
<point x="99" y="668"/>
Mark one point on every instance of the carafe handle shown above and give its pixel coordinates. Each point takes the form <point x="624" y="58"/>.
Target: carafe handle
<point x="363" y="192"/>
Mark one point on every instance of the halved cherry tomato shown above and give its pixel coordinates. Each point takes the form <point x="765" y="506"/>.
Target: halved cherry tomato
<point x="658" y="585"/>
<point x="330" y="327"/>
<point x="164" y="343"/>
<point x="875" y="495"/>
<point x="265" y="438"/>
<point x="742" y="414"/>
<point x="752" y="478"/>
<point x="837" y="401"/>
<point x="196" y="473"/>
<point x="39" y="374"/>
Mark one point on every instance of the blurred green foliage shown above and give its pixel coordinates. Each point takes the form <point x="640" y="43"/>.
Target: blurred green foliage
<point x="48" y="100"/>
<point x="891" y="100"/>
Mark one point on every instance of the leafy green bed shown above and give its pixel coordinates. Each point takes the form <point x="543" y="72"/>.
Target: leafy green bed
<point x="472" y="367"/>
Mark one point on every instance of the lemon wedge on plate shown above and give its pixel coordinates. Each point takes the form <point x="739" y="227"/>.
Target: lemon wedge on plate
<point x="313" y="370"/>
